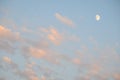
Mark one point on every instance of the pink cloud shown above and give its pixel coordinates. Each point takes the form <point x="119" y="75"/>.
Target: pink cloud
<point x="7" y="39"/>
<point x="64" y="19"/>
<point x="30" y="74"/>
<point x="116" y="76"/>
<point x="54" y="36"/>
<point x="7" y="34"/>
<point x="76" y="61"/>
<point x="37" y="53"/>
<point x="7" y="59"/>
<point x="34" y="78"/>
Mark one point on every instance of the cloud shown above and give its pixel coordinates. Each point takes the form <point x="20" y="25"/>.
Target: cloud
<point x="34" y="78"/>
<point x="38" y="48"/>
<point x="8" y="64"/>
<point x="76" y="61"/>
<point x="58" y="37"/>
<point x="31" y="64"/>
<point x="33" y="52"/>
<point x="65" y="20"/>
<point x="37" y="53"/>
<point x="8" y="34"/>
<point x="28" y="74"/>
<point x="54" y="36"/>
<point x="8" y="39"/>
<point x="7" y="59"/>
<point x="6" y="46"/>
<point x="117" y="76"/>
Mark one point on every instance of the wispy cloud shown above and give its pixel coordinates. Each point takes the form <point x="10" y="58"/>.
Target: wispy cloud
<point x="7" y="34"/>
<point x="7" y="39"/>
<point x="39" y="49"/>
<point x="117" y="76"/>
<point x="34" y="78"/>
<point x="30" y="64"/>
<point x="76" y="61"/>
<point x="54" y="36"/>
<point x="8" y="64"/>
<point x="57" y="37"/>
<point x="33" y="52"/>
<point x="37" y="53"/>
<point x="7" y="59"/>
<point x="64" y="19"/>
<point x="28" y="74"/>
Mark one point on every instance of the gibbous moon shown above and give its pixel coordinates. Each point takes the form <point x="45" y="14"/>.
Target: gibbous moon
<point x="97" y="17"/>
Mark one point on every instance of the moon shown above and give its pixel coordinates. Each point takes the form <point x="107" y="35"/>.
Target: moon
<point x="97" y="17"/>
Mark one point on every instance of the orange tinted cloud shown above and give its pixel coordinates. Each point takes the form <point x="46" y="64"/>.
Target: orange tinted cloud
<point x="117" y="76"/>
<point x="37" y="53"/>
<point x="30" y="74"/>
<point x="76" y="61"/>
<point x="34" y="78"/>
<point x="7" y="39"/>
<point x="7" y="59"/>
<point x="65" y="20"/>
<point x="8" y="34"/>
<point x="54" y="36"/>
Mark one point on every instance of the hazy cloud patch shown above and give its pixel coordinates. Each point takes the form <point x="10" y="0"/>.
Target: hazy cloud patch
<point x="64" y="19"/>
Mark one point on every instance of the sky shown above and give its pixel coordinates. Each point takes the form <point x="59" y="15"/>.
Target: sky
<point x="59" y="40"/>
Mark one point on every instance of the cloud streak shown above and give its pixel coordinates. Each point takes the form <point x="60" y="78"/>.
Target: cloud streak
<point x="64" y="19"/>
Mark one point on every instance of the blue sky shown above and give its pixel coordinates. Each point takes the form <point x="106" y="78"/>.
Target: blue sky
<point x="59" y="40"/>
